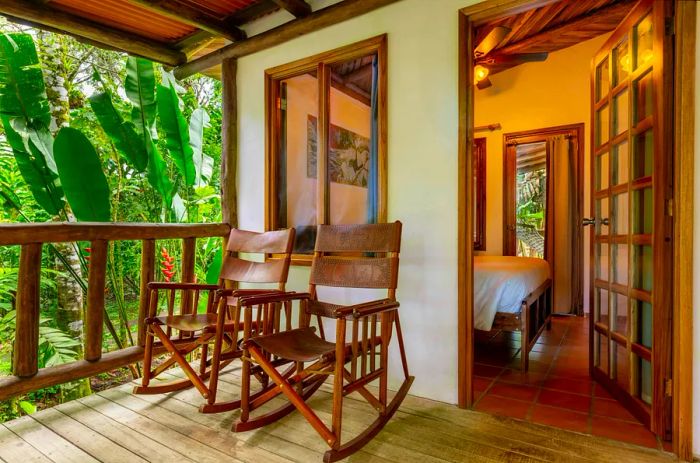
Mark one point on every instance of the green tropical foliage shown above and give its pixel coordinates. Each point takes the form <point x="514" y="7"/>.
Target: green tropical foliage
<point x="133" y="145"/>
<point x="530" y="212"/>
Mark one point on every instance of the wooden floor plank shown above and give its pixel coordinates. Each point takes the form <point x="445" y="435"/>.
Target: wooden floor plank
<point x="14" y="448"/>
<point x="48" y="442"/>
<point x="115" y="425"/>
<point x="177" y="441"/>
<point x="122" y="435"/>
<point x="88" y="440"/>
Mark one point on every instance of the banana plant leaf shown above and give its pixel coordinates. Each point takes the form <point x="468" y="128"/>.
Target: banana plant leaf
<point x="140" y="87"/>
<point x="158" y="173"/>
<point x="122" y="133"/>
<point x="214" y="269"/>
<point x="43" y="182"/>
<point x="81" y="175"/>
<point x="177" y="136"/>
<point x="203" y="164"/>
<point x="22" y="90"/>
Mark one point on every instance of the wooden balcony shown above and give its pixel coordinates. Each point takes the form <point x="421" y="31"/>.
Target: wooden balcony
<point x="116" y="426"/>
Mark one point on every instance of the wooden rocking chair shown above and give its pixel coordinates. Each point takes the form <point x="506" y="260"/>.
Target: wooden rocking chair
<point x="341" y="259"/>
<point x="220" y="324"/>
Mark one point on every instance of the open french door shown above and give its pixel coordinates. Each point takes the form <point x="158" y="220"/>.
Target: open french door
<point x="631" y="245"/>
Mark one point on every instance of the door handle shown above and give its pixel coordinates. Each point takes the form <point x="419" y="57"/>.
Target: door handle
<point x="592" y="221"/>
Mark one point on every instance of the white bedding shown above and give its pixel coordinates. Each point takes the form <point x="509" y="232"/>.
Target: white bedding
<point x="501" y="283"/>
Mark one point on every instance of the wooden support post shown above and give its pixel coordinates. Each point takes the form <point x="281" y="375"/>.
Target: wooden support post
<point x="148" y="265"/>
<point x="229" y="141"/>
<point x="26" y="349"/>
<point x="94" y="317"/>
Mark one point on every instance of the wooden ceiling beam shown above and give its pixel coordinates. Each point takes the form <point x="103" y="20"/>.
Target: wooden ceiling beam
<point x="252" y="12"/>
<point x="583" y="22"/>
<point x="194" y="17"/>
<point x="317" y="20"/>
<point x="299" y="8"/>
<point x="44" y="16"/>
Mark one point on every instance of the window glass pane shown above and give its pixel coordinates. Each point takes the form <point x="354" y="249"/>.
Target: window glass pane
<point x="602" y="174"/>
<point x="643" y="268"/>
<point x="623" y="62"/>
<point x="644" y="323"/>
<point x="621" y="358"/>
<point x="645" y="383"/>
<point x="602" y="305"/>
<point x="619" y="263"/>
<point x="601" y="351"/>
<point x="620" y="173"/>
<point x="602" y="125"/>
<point x="644" y="42"/>
<point x="621" y="112"/>
<point x="643" y="97"/>
<point x="602" y="212"/>
<point x="603" y="77"/>
<point x="296" y="164"/>
<point x="603" y="261"/>
<point x="352" y="163"/>
<point x="621" y="318"/>
<point x="643" y="211"/>
<point x="643" y="165"/>
<point x="620" y="215"/>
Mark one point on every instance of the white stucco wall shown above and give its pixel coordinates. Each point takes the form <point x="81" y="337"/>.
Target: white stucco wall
<point x="423" y="128"/>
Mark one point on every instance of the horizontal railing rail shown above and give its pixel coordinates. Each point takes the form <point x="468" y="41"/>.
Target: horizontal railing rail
<point x="26" y="375"/>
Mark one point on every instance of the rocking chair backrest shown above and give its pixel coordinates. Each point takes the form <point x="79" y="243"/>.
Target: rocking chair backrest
<point x="246" y="271"/>
<point x="341" y="256"/>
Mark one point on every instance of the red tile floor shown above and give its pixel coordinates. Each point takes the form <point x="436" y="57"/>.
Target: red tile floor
<point x="557" y="389"/>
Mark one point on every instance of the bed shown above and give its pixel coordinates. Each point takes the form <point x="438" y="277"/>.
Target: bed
<point x="513" y="294"/>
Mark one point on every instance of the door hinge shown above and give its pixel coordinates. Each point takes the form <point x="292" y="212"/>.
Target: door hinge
<point x="669" y="207"/>
<point x="670" y="26"/>
<point x="669" y="387"/>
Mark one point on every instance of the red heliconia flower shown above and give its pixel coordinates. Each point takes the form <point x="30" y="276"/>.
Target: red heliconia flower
<point x="168" y="267"/>
<point x="88" y="251"/>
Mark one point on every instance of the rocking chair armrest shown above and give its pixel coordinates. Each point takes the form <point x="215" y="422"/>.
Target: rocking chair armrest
<point x="230" y="292"/>
<point x="181" y="286"/>
<point x="366" y="308"/>
<point x="272" y="298"/>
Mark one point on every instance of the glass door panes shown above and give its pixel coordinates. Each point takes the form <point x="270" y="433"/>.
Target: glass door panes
<point x="624" y="132"/>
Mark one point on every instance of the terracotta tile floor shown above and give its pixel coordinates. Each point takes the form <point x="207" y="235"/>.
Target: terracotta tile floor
<point x="557" y="389"/>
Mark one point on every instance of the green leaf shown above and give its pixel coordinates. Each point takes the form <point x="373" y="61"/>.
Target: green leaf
<point x="177" y="136"/>
<point x="28" y="407"/>
<point x="140" y="87"/>
<point x="122" y="133"/>
<point x="203" y="164"/>
<point x="42" y="181"/>
<point x="158" y="173"/>
<point x="22" y="90"/>
<point x="214" y="268"/>
<point x="82" y="177"/>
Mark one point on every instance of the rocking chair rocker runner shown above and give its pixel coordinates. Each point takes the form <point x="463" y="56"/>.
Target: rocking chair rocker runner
<point x="341" y="259"/>
<point x="220" y="324"/>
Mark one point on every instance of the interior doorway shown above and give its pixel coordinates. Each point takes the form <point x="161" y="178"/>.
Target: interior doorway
<point x="470" y="19"/>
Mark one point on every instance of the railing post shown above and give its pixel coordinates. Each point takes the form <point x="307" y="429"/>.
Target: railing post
<point x="25" y="360"/>
<point x="189" y="250"/>
<point x="94" y="317"/>
<point x="148" y="265"/>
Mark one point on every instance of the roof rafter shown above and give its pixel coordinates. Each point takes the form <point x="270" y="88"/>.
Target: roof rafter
<point x="193" y="17"/>
<point x="590" y="21"/>
<point x="317" y="20"/>
<point x="299" y="8"/>
<point x="108" y="37"/>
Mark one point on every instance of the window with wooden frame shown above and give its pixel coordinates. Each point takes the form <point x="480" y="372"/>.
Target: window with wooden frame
<point x="326" y="141"/>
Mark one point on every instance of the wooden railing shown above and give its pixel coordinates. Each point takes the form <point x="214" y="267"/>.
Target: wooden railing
<point x="27" y="376"/>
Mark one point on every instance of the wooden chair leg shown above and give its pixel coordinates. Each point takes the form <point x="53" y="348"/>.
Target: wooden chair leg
<point x="186" y="367"/>
<point x="245" y="386"/>
<point x="147" y="358"/>
<point x="337" y="412"/>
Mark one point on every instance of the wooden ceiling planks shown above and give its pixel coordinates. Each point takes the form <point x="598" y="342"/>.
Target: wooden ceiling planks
<point x="552" y="27"/>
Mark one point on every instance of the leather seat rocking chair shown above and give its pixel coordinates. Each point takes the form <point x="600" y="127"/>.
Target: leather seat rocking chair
<point x="180" y="334"/>
<point x="345" y="256"/>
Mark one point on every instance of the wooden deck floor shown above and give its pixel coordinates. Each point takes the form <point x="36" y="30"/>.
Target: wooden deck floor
<point x="116" y="426"/>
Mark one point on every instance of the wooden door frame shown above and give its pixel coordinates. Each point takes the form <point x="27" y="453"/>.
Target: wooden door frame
<point x="683" y="209"/>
